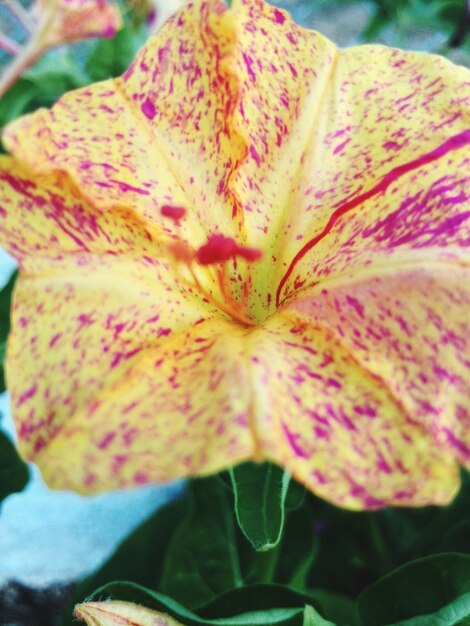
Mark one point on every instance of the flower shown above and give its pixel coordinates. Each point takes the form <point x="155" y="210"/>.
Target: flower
<point x="251" y="246"/>
<point x="72" y="20"/>
<point x="115" y="613"/>
<point x="55" y="22"/>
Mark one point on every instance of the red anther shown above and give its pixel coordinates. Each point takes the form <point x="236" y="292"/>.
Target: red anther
<point x="249" y="254"/>
<point x="217" y="250"/>
<point x="175" y="212"/>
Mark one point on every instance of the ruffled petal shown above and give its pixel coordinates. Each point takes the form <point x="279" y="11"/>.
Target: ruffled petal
<point x="410" y="328"/>
<point x="110" y="354"/>
<point x="339" y="427"/>
<point x="170" y="408"/>
<point x="160" y="135"/>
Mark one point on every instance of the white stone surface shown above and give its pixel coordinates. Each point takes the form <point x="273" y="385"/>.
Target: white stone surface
<point x="58" y="536"/>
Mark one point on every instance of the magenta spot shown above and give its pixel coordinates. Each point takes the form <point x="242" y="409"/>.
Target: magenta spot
<point x="54" y="340"/>
<point x="292" y="439"/>
<point x="140" y="478"/>
<point x="148" y="109"/>
<point x="383" y="466"/>
<point x="85" y="320"/>
<point x="107" y="439"/>
<point x="341" y="146"/>
<point x="249" y="67"/>
<point x="163" y="332"/>
<point x="27" y="395"/>
<point x="89" y="479"/>
<point x="39" y="445"/>
<point x="366" y="411"/>
<point x="255" y="155"/>
<point x="279" y="17"/>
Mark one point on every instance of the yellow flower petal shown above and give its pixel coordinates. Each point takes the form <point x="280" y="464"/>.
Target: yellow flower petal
<point x="337" y="425"/>
<point x="159" y="135"/>
<point x="409" y="328"/>
<point x="134" y="371"/>
<point x="115" y="613"/>
<point x="340" y="352"/>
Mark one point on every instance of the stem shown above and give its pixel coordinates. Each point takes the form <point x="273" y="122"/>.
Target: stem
<point x="24" y="59"/>
<point x="20" y="13"/>
<point x="29" y="54"/>
<point x="10" y="46"/>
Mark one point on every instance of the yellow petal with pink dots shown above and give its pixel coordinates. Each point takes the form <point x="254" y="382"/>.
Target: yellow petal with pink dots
<point x="253" y="245"/>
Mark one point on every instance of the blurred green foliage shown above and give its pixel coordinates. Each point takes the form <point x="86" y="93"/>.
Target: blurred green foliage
<point x="194" y="560"/>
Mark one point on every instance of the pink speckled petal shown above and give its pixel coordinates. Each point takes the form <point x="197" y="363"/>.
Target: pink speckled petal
<point x="160" y="135"/>
<point x="176" y="407"/>
<point x="110" y="356"/>
<point x="410" y="328"/>
<point x="337" y="425"/>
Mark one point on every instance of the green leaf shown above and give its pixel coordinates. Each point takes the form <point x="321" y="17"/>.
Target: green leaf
<point x="312" y="618"/>
<point x="252" y="598"/>
<point x="14" y="473"/>
<point x="5" y="305"/>
<point x="423" y="587"/>
<point x="337" y="607"/>
<point x="130" y="592"/>
<point x="260" y="494"/>
<point x="111" y="57"/>
<point x="202" y="560"/>
<point x="53" y="75"/>
<point x="455" y="614"/>
<point x="299" y="549"/>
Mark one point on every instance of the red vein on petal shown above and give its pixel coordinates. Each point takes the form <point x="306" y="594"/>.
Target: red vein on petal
<point x="454" y="143"/>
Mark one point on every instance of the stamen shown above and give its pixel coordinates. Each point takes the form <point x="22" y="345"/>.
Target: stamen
<point x="218" y="249"/>
<point x="181" y="251"/>
<point x="249" y="254"/>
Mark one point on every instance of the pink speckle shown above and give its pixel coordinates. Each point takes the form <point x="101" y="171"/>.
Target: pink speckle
<point x="279" y="17"/>
<point x="148" y="109"/>
<point x="255" y="155"/>
<point x="54" y="340"/>
<point x="107" y="439"/>
<point x="27" y="395"/>
<point x="163" y="332"/>
<point x="140" y="478"/>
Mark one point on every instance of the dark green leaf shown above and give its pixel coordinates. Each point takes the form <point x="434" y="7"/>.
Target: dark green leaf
<point x="14" y="473"/>
<point x="339" y="608"/>
<point x="422" y="587"/>
<point x="253" y="598"/>
<point x="260" y="493"/>
<point x="299" y="549"/>
<point x="202" y="559"/>
<point x="111" y="57"/>
<point x="312" y="618"/>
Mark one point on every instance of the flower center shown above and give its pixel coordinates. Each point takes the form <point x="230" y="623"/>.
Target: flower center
<point x="215" y="254"/>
